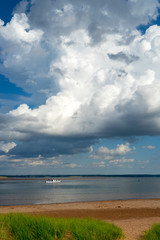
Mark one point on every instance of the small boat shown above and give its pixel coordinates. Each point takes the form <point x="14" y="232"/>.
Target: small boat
<point x="53" y="181"/>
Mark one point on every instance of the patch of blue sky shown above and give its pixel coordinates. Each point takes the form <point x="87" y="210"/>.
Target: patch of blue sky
<point x="144" y="148"/>
<point x="142" y="28"/>
<point x="7" y="8"/>
<point x="137" y="141"/>
<point x="10" y="90"/>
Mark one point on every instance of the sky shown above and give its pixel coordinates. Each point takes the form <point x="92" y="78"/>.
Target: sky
<point x="79" y="87"/>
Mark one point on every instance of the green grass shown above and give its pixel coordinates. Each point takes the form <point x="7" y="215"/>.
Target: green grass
<point x="26" y="227"/>
<point x="153" y="233"/>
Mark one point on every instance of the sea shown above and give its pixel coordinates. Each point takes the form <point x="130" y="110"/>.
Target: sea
<point x="26" y="191"/>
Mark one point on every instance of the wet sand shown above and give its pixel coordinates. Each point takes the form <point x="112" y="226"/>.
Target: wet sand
<point x="133" y="216"/>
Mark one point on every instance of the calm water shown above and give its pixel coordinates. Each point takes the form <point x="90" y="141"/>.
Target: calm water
<point x="23" y="192"/>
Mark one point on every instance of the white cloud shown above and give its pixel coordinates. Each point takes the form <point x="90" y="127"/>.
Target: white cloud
<point x="9" y="161"/>
<point x="6" y="147"/>
<point x="71" y="165"/>
<point x="19" y="30"/>
<point x="108" y="154"/>
<point x="123" y="160"/>
<point x="35" y="163"/>
<point x="86" y="70"/>
<point x="113" y="157"/>
<point x="120" y="162"/>
<point x="96" y="89"/>
<point x="101" y="164"/>
<point x="149" y="147"/>
<point x="12" y="161"/>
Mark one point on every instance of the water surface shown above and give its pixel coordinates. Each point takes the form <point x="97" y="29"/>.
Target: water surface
<point x="24" y="192"/>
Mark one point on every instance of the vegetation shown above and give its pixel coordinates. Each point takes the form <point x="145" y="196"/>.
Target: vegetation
<point x="26" y="227"/>
<point x="153" y="233"/>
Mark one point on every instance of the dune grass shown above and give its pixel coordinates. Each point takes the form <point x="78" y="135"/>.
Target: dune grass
<point x="26" y="227"/>
<point x="153" y="233"/>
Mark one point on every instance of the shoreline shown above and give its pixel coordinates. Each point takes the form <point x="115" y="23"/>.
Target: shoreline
<point x="107" y="203"/>
<point x="75" y="177"/>
<point x="106" y="210"/>
<point x="133" y="216"/>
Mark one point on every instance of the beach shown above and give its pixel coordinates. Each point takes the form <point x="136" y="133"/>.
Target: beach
<point x="133" y="216"/>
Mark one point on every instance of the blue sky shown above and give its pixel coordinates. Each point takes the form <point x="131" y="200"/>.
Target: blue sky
<point x="6" y="15"/>
<point x="7" y="8"/>
<point x="79" y="87"/>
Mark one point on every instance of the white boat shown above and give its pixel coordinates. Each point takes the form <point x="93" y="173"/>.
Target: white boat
<point x="53" y="181"/>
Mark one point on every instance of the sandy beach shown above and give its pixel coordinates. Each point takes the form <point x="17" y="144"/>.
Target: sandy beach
<point x="133" y="216"/>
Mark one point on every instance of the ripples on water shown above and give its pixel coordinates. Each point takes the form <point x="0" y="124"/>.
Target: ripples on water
<point x="23" y="192"/>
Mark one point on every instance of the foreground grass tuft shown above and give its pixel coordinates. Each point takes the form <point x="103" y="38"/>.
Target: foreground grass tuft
<point x="26" y="227"/>
<point x="153" y="233"/>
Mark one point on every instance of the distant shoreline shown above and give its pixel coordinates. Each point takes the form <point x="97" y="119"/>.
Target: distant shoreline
<point x="43" y="177"/>
<point x="50" y="177"/>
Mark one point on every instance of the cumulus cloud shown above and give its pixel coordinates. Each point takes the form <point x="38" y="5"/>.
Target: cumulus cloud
<point x="116" y="157"/>
<point x="108" y="154"/>
<point x="97" y="97"/>
<point x="18" y="30"/>
<point x="87" y="68"/>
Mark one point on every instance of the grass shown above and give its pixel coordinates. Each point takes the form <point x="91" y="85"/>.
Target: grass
<point x="26" y="227"/>
<point x="153" y="233"/>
